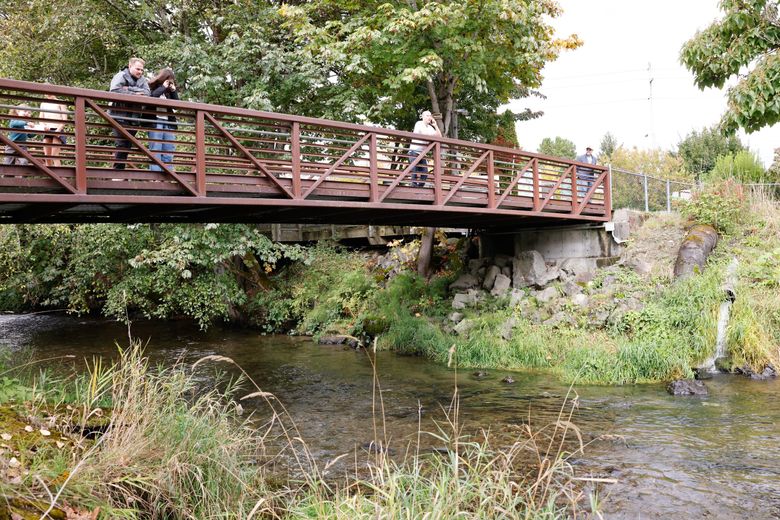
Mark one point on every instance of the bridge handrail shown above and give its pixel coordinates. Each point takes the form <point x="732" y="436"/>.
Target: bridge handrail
<point x="123" y="149"/>
<point x="60" y="90"/>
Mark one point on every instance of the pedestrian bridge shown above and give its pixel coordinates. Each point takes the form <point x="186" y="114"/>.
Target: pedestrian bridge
<point x="239" y="165"/>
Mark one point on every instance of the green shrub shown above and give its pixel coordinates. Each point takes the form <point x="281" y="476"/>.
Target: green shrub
<point x="721" y="206"/>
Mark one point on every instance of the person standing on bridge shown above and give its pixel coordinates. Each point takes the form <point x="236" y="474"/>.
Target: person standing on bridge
<point x="129" y="80"/>
<point x="162" y="138"/>
<point x="585" y="176"/>
<point x="23" y="113"/>
<point x="426" y="126"/>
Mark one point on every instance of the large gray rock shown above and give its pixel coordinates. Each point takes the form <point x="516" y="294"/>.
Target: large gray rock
<point x="516" y="296"/>
<point x="506" y="271"/>
<point x="686" y="387"/>
<point x="456" y="317"/>
<point x="570" y="288"/>
<point x="560" y="318"/>
<point x="464" y="281"/>
<point x="529" y="269"/>
<point x="507" y="327"/>
<point x="490" y="277"/>
<point x="694" y="250"/>
<point x="547" y="295"/>
<point x="501" y="285"/>
<point x="475" y="264"/>
<point x="580" y="300"/>
<point x="460" y="301"/>
<point x="502" y="260"/>
<point x="581" y="269"/>
<point x="463" y="328"/>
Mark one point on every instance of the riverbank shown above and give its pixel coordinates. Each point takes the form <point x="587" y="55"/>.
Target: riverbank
<point x="126" y="440"/>
<point x="629" y="324"/>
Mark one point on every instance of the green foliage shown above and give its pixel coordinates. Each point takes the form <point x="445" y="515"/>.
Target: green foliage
<point x="743" y="166"/>
<point x="720" y="206"/>
<point x="201" y="272"/>
<point x="700" y="150"/>
<point x="558" y="147"/>
<point x="396" y="58"/>
<point x="748" y="36"/>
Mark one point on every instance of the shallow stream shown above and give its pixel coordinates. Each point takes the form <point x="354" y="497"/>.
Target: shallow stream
<point x="703" y="457"/>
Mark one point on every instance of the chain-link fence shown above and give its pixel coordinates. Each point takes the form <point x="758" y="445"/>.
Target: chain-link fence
<point x="645" y="192"/>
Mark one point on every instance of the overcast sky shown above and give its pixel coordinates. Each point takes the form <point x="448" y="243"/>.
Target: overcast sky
<point x="604" y="85"/>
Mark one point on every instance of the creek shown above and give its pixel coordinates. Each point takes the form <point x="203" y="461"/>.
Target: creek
<point x="716" y="456"/>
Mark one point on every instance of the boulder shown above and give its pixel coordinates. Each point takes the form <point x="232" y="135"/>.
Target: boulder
<point x="686" y="387"/>
<point x="475" y="264"/>
<point x="506" y="271"/>
<point x="580" y="300"/>
<point x="769" y="372"/>
<point x="460" y="301"/>
<point x="560" y="318"/>
<point x="464" y="281"/>
<point x="501" y="285"/>
<point x="694" y="250"/>
<point x="463" y="328"/>
<point x="502" y="260"/>
<point x="515" y="297"/>
<point x="581" y="269"/>
<point x="508" y="380"/>
<point x="570" y="288"/>
<point x="528" y="268"/>
<point x="507" y="328"/>
<point x="547" y="295"/>
<point x="455" y="317"/>
<point x="490" y="277"/>
<point x="338" y="339"/>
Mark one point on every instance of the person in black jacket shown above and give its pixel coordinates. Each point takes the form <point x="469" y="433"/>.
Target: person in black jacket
<point x="129" y="80"/>
<point x="161" y="139"/>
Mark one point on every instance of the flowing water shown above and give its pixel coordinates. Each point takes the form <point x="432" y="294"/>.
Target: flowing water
<point x="704" y="457"/>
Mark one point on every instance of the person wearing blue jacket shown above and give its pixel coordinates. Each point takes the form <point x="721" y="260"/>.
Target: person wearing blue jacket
<point x="24" y="113"/>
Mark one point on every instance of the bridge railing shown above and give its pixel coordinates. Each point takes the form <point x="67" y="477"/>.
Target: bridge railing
<point x="222" y="152"/>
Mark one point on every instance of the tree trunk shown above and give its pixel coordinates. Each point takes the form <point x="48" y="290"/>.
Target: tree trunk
<point x="426" y="252"/>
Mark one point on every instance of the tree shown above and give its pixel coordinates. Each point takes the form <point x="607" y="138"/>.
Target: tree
<point x="747" y="37"/>
<point x="700" y="150"/>
<point x="608" y="145"/>
<point x="399" y="57"/>
<point x="558" y="147"/>
<point x="655" y="162"/>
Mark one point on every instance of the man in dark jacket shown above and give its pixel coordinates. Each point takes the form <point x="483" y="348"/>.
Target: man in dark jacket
<point x="129" y="80"/>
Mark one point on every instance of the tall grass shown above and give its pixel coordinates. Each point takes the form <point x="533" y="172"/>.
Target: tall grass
<point x="174" y="451"/>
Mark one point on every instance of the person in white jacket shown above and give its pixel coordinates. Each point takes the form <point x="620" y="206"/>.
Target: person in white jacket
<point x="426" y="126"/>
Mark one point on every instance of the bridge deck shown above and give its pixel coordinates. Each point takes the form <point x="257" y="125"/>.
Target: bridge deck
<point x="237" y="165"/>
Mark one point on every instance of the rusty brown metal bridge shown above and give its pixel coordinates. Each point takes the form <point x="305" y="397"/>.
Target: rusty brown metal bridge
<point x="239" y="165"/>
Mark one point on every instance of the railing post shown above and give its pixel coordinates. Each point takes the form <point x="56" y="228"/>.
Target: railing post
<point x="295" y="150"/>
<point x="608" y="193"/>
<point x="491" y="182"/>
<point x="647" y="198"/>
<point x="80" y="129"/>
<point x="668" y="196"/>
<point x="574" y="194"/>
<point x="537" y="198"/>
<point x="437" y="168"/>
<point x="200" y="153"/>
<point x="373" y="187"/>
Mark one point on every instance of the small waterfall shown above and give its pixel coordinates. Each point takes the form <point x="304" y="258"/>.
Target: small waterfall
<point x="729" y="288"/>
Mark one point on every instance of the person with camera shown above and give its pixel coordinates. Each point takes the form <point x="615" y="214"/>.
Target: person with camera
<point x="161" y="139"/>
<point x="129" y="80"/>
<point x="426" y="126"/>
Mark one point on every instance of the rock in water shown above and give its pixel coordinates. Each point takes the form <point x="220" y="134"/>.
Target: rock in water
<point x="686" y="387"/>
